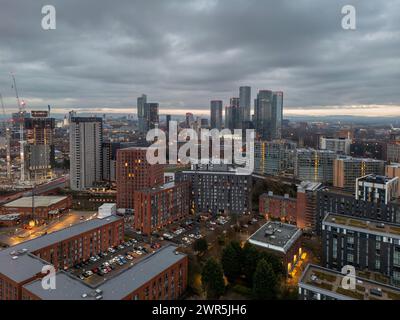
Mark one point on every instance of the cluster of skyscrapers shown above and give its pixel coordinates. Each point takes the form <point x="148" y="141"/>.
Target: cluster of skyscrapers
<point x="267" y="117"/>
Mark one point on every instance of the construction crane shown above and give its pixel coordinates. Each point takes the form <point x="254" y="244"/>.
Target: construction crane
<point x="21" y="109"/>
<point x="8" y="139"/>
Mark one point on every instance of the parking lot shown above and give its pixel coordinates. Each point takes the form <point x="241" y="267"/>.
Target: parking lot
<point x="101" y="267"/>
<point x="187" y="231"/>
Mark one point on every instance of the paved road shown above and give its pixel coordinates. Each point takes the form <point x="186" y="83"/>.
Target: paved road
<point x="13" y="236"/>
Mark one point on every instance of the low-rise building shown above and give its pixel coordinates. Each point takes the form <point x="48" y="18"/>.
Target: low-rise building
<point x="278" y="207"/>
<point x="23" y="263"/>
<point x="158" y="276"/>
<point x="281" y="239"/>
<point x="38" y="207"/>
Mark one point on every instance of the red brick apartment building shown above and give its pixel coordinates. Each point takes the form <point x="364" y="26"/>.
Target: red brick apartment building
<point x="278" y="207"/>
<point x="46" y="207"/>
<point x="135" y="173"/>
<point x="157" y="207"/>
<point x="23" y="263"/>
<point x="158" y="276"/>
<point x="300" y="210"/>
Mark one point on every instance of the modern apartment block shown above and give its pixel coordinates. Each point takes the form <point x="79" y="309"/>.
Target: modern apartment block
<point x="274" y="157"/>
<point x="393" y="170"/>
<point x="39" y="147"/>
<point x="338" y="145"/>
<point x="85" y="140"/>
<point x="377" y="189"/>
<point x="110" y="161"/>
<point x="314" y="165"/>
<point x="365" y="244"/>
<point x="141" y="113"/>
<point x="23" y="263"/>
<point x="280" y="239"/>
<point x="161" y="275"/>
<point x="306" y="205"/>
<point x="245" y="102"/>
<point x="218" y="191"/>
<point x="268" y="110"/>
<point x="319" y="283"/>
<point x="278" y="207"/>
<point x="393" y="151"/>
<point x="159" y="206"/>
<point x="216" y="114"/>
<point x="135" y="173"/>
<point x="337" y="201"/>
<point x="347" y="169"/>
<point x="147" y="113"/>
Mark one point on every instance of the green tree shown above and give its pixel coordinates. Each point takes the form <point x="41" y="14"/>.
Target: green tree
<point x="231" y="260"/>
<point x="250" y="258"/>
<point x="200" y="245"/>
<point x="265" y="282"/>
<point x="275" y="263"/>
<point x="212" y="278"/>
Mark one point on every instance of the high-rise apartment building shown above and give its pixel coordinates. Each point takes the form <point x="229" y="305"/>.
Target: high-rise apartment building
<point x="339" y="145"/>
<point x="314" y="165"/>
<point x="141" y="113"/>
<point x="347" y="169"/>
<point x="216" y="114"/>
<point x="148" y="116"/>
<point x="273" y="157"/>
<point x="110" y="161"/>
<point x="245" y="102"/>
<point x="135" y="173"/>
<point x="218" y="191"/>
<point x="39" y="147"/>
<point x="268" y="111"/>
<point x="85" y="140"/>
<point x="393" y="151"/>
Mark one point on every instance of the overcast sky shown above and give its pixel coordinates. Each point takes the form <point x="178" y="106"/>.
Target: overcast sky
<point x="184" y="53"/>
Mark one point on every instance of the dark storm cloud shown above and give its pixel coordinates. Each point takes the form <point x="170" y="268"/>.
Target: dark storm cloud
<point x="183" y="53"/>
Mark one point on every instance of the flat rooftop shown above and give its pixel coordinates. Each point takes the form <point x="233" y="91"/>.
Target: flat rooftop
<point x="328" y="282"/>
<point x="27" y="265"/>
<point x="118" y="287"/>
<point x="362" y="225"/>
<point x="276" y="236"/>
<point x="373" y="178"/>
<point x="39" y="201"/>
<point x="165" y="186"/>
<point x="10" y="217"/>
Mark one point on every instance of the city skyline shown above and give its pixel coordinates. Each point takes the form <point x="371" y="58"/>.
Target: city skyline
<point x="318" y="65"/>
